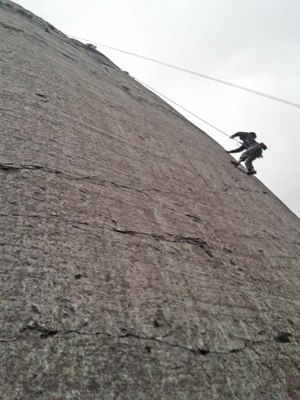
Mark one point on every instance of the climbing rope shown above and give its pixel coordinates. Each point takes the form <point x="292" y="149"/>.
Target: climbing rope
<point x="178" y="105"/>
<point x="198" y="74"/>
<point x="160" y="94"/>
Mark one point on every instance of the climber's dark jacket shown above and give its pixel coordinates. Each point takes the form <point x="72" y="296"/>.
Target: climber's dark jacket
<point x="247" y="139"/>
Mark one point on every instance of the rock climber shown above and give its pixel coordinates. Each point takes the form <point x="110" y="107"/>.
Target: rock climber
<point x="253" y="150"/>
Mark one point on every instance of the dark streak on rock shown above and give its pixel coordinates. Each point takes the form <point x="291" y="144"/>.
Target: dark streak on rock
<point x="12" y="28"/>
<point x="42" y="98"/>
<point x="66" y="55"/>
<point x="195" y="241"/>
<point x="13" y="168"/>
<point x="41" y="95"/>
<point x="25" y="13"/>
<point x="194" y="217"/>
<point x="9" y="168"/>
<point x="203" y="352"/>
<point x="8" y="340"/>
<point x="170" y="238"/>
<point x="283" y="337"/>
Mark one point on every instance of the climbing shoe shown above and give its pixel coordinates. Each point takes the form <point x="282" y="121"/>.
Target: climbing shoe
<point x="235" y="163"/>
<point x="251" y="172"/>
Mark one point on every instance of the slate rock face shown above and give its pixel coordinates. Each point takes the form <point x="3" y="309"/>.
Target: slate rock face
<point x="136" y="261"/>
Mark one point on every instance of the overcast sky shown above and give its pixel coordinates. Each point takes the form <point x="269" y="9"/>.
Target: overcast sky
<point x="252" y="43"/>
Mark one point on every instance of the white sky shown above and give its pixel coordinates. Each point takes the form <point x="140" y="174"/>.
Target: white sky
<point x="252" y="43"/>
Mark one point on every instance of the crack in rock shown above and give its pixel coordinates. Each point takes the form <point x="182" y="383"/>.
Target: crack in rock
<point x="8" y="340"/>
<point x="94" y="179"/>
<point x="16" y="168"/>
<point x="117" y="185"/>
<point x="171" y="239"/>
<point x="45" y="333"/>
<point x="49" y="333"/>
<point x="199" y="350"/>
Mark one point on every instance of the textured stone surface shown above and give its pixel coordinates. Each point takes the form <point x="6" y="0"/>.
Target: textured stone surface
<point x="136" y="262"/>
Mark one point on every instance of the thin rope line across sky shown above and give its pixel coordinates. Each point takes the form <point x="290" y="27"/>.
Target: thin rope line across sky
<point x="198" y="74"/>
